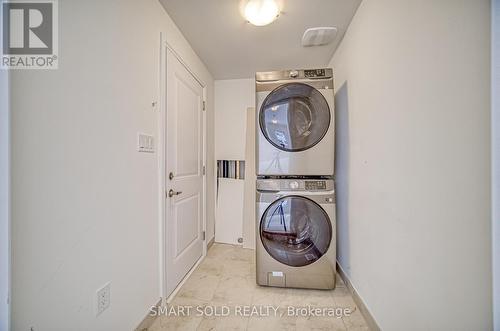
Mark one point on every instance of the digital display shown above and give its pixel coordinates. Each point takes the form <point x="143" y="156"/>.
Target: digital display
<point x="315" y="185"/>
<point x="314" y="73"/>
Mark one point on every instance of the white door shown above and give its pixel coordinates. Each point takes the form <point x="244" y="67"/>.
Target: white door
<point x="184" y="175"/>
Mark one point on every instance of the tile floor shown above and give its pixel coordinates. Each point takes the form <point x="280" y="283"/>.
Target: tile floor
<point x="226" y="278"/>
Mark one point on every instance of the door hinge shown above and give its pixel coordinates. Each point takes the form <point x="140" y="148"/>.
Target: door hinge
<point x="204" y="106"/>
<point x="203" y="235"/>
<point x="204" y="170"/>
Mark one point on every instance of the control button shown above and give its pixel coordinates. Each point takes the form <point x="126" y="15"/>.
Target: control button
<point x="294" y="185"/>
<point x="294" y="74"/>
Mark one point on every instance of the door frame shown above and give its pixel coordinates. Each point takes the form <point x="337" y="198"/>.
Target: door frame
<point x="165" y="47"/>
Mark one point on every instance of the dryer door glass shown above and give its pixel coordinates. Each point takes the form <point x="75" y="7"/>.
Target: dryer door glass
<point x="295" y="231"/>
<point x="294" y="117"/>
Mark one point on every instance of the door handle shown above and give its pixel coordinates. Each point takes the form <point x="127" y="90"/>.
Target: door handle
<point x="171" y="193"/>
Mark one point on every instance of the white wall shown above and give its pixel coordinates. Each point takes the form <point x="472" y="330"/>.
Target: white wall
<point x="415" y="75"/>
<point x="4" y="199"/>
<point x="232" y="98"/>
<point x="495" y="89"/>
<point x="84" y="202"/>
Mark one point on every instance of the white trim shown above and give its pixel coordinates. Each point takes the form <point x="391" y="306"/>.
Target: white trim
<point x="149" y="319"/>
<point x="183" y="281"/>
<point x="358" y="300"/>
<point x="161" y="163"/>
<point x="181" y="60"/>
<point x="204" y="173"/>
<point x="162" y="152"/>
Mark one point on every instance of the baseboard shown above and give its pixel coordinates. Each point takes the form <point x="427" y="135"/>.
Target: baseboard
<point x="210" y="243"/>
<point x="183" y="281"/>
<point x="370" y="321"/>
<point x="148" y="320"/>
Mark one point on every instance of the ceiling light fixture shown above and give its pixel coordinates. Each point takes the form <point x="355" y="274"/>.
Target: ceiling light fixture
<point x="261" y="12"/>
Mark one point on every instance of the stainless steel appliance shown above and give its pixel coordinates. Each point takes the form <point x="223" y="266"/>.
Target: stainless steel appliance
<point x="296" y="233"/>
<point x="295" y="123"/>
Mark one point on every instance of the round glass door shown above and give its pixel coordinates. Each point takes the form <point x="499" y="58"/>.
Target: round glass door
<point x="294" y="117"/>
<point x="295" y="231"/>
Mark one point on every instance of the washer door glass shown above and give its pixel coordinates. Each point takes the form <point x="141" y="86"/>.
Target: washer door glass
<point x="295" y="231"/>
<point x="294" y="117"/>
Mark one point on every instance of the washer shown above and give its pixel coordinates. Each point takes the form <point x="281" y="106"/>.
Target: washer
<point x="295" y="135"/>
<point x="296" y="233"/>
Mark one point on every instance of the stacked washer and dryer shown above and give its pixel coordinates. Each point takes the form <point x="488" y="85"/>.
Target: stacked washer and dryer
<point x="295" y="198"/>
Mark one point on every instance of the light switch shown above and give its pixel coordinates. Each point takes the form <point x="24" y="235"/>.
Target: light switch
<point x="145" y="143"/>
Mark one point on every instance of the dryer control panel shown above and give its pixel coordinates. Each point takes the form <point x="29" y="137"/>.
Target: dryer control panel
<point x="313" y="73"/>
<point x="315" y="185"/>
<point x="295" y="74"/>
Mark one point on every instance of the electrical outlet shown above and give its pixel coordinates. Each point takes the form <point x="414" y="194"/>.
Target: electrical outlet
<point x="103" y="298"/>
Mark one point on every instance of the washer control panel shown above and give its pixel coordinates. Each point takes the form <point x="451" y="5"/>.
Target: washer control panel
<point x="295" y="184"/>
<point x="315" y="185"/>
<point x="313" y="73"/>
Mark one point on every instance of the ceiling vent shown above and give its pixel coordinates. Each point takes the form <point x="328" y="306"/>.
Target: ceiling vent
<point x="319" y="36"/>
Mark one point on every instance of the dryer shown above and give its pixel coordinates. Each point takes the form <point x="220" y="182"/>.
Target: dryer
<point x="295" y="123"/>
<point x="296" y="233"/>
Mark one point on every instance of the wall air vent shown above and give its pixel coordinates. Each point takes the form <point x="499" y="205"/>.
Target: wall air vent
<point x="319" y="36"/>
